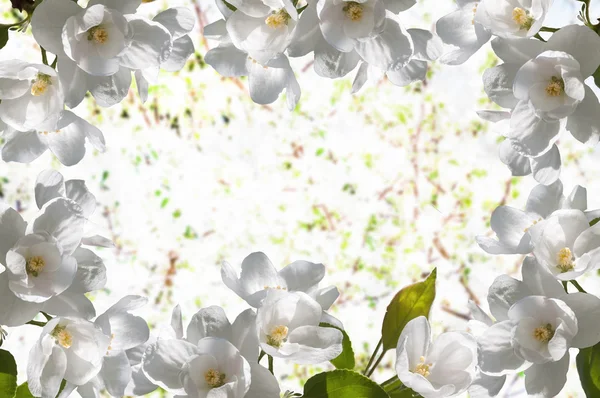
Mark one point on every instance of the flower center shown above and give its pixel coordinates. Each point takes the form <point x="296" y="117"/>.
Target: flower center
<point x="98" y="34"/>
<point x="40" y="84"/>
<point x="277" y="19"/>
<point x="423" y="368"/>
<point x="62" y="336"/>
<point x="34" y="265"/>
<point x="565" y="260"/>
<point x="277" y="336"/>
<point x="214" y="378"/>
<point x="354" y="11"/>
<point x="556" y="87"/>
<point x="522" y="18"/>
<point x="544" y="333"/>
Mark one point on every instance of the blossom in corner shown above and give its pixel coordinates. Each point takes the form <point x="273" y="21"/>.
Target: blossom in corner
<point x="512" y="19"/>
<point x="537" y="324"/>
<point x="442" y="368"/>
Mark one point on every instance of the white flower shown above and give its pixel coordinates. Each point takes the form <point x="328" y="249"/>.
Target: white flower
<point x="49" y="247"/>
<point x="512" y="18"/>
<point x="519" y="230"/>
<point x="568" y="246"/>
<point x="98" y="46"/>
<point x="65" y="139"/>
<point x="179" y="21"/>
<point x="462" y="33"/>
<point x="216" y="359"/>
<point x="288" y="327"/>
<point x="263" y="28"/>
<point x="31" y="95"/>
<point x="259" y="275"/>
<point x="542" y="83"/>
<point x="124" y="331"/>
<point x="38" y="269"/>
<point x="68" y="348"/>
<point x="537" y="323"/>
<point x="443" y="368"/>
<point x="343" y="22"/>
<point x="265" y="82"/>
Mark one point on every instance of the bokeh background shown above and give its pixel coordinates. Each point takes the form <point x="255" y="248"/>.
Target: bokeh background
<point x="381" y="187"/>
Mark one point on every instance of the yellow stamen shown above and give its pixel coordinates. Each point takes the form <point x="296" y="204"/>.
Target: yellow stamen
<point x="98" y="34"/>
<point x="277" y="336"/>
<point x="556" y="87"/>
<point x="565" y="260"/>
<point x="423" y="368"/>
<point x="40" y="84"/>
<point x="544" y="333"/>
<point x="62" y="336"/>
<point x="214" y="378"/>
<point x="353" y="10"/>
<point x="34" y="265"/>
<point x="278" y="19"/>
<point x="522" y="18"/>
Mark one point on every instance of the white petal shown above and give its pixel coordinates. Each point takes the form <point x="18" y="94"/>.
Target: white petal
<point x="150" y="45"/>
<point x="63" y="219"/>
<point x="110" y="90"/>
<point x="53" y="372"/>
<point x="227" y="60"/>
<point x="503" y="293"/>
<point x="532" y="135"/>
<point x="91" y="272"/>
<point x="77" y="191"/>
<point x="485" y="386"/>
<point x="12" y="228"/>
<point x="264" y="384"/>
<point x="177" y="322"/>
<point x="68" y="141"/>
<point x="539" y="281"/>
<point x="179" y="21"/>
<point x="49" y="184"/>
<point x="397" y="6"/>
<point x="413" y="71"/>
<point x="547" y="379"/>
<point x="181" y="51"/>
<point x="587" y="309"/>
<point x="244" y="335"/>
<point x="496" y="353"/>
<point x="258" y="272"/>
<point x="48" y="21"/>
<point x="209" y="322"/>
<point x="302" y="275"/>
<point x="123" y="6"/>
<point x="581" y="42"/>
<point x="498" y="84"/>
<point x="74" y="81"/>
<point x="414" y="341"/>
<point x="70" y="304"/>
<point x="332" y="63"/>
<point x="545" y="199"/>
<point x="307" y="32"/>
<point x="584" y="123"/>
<point x="428" y="47"/>
<point x="164" y="360"/>
<point x="317" y="344"/>
<point x="116" y="374"/>
<point x="390" y="50"/>
<point x="511" y="226"/>
<point x="517" y="51"/>
<point x="518" y="164"/>
<point x="546" y="168"/>
<point x="23" y="147"/>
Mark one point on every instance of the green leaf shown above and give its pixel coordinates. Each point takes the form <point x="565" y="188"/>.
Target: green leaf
<point x="594" y="221"/>
<point x="346" y="359"/>
<point x="409" y="303"/>
<point x="396" y="390"/>
<point x="342" y="384"/>
<point x="23" y="391"/>
<point x="3" y="36"/>
<point x="8" y="374"/>
<point x="597" y="77"/>
<point x="588" y="366"/>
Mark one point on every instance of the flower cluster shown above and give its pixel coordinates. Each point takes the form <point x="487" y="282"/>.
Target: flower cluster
<point x="256" y="37"/>
<point x="97" y="50"/>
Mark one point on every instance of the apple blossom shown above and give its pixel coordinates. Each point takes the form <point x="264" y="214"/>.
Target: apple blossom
<point x="288" y="327"/>
<point x="258" y="276"/>
<point x="462" y="34"/>
<point x="98" y="46"/>
<point x="512" y="19"/>
<point x="215" y="358"/>
<point x="68" y="348"/>
<point x="65" y="139"/>
<point x="568" y="246"/>
<point x="537" y="322"/>
<point x="442" y="368"/>
<point x="31" y="95"/>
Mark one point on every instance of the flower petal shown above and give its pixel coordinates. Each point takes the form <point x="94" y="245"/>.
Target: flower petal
<point x="316" y="344"/>
<point x="48" y="21"/>
<point x="163" y="361"/>
<point x="547" y="379"/>
<point x="63" y="219"/>
<point x="496" y="353"/>
<point x="150" y="45"/>
<point x="209" y="322"/>
<point x="583" y="123"/>
<point x="116" y="374"/>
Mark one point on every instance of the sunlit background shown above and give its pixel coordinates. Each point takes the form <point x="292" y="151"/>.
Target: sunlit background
<point x="381" y="187"/>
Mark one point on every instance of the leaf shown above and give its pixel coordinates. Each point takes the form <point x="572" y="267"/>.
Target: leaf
<point x="588" y="367"/>
<point x="8" y="374"/>
<point x="594" y="221"/>
<point x="596" y="76"/>
<point x="346" y="359"/>
<point x="23" y="391"/>
<point x="411" y="302"/>
<point x="342" y="384"/>
<point x="395" y="390"/>
<point x="3" y="36"/>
